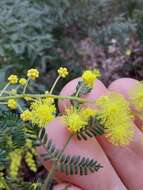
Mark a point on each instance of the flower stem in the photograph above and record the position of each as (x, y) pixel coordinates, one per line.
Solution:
(20, 108)
(3, 90)
(56, 81)
(25, 87)
(50, 176)
(19, 96)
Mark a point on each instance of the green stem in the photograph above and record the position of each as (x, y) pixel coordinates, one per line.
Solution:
(3, 103)
(54, 166)
(56, 81)
(6, 86)
(20, 108)
(25, 87)
(19, 96)
(78, 91)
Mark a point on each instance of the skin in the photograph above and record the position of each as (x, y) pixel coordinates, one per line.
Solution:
(123, 166)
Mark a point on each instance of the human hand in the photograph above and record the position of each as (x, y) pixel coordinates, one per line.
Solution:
(123, 166)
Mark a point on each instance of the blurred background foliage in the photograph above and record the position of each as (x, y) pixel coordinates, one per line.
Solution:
(77, 34)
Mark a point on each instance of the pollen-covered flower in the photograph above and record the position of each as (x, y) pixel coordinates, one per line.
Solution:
(12, 104)
(26, 115)
(90, 76)
(13, 79)
(74, 120)
(63, 72)
(136, 96)
(115, 115)
(22, 81)
(86, 113)
(15, 158)
(121, 135)
(33, 74)
(43, 110)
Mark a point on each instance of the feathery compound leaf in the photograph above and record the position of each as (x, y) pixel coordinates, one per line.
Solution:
(71, 165)
(93, 129)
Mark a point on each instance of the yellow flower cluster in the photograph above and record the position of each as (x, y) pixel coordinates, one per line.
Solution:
(13, 79)
(76, 119)
(136, 96)
(63, 72)
(12, 104)
(26, 115)
(43, 110)
(30, 161)
(115, 115)
(90, 76)
(33, 74)
(15, 157)
(22, 81)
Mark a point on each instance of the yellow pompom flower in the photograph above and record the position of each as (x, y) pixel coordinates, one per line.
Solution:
(43, 110)
(74, 120)
(90, 76)
(12, 104)
(13, 79)
(26, 115)
(115, 115)
(121, 135)
(15, 157)
(63, 72)
(22, 81)
(33, 74)
(136, 96)
(86, 113)
(30, 161)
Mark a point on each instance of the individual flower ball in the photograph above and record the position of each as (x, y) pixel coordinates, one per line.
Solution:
(22, 81)
(90, 76)
(63, 72)
(13, 79)
(12, 104)
(111, 107)
(26, 115)
(76, 119)
(43, 110)
(33, 74)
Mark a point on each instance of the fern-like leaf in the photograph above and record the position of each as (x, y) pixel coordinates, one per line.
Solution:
(71, 165)
(93, 129)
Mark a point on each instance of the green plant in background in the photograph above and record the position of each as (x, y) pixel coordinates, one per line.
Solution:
(47, 34)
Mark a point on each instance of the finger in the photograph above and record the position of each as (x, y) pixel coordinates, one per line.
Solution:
(128, 161)
(123, 157)
(70, 88)
(65, 186)
(125, 86)
(105, 178)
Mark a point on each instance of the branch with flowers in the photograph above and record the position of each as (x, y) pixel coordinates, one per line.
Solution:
(25, 115)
